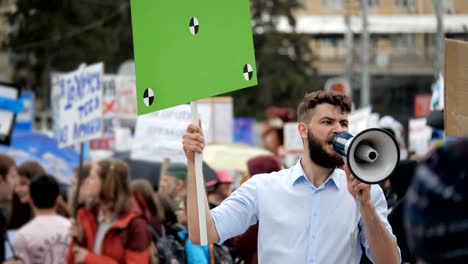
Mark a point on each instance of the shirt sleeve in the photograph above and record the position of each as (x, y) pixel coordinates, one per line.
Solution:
(20, 245)
(239, 211)
(380, 204)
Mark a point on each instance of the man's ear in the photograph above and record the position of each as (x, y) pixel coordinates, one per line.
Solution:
(180, 184)
(302, 128)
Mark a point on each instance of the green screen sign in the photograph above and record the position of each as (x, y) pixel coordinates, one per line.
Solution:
(188, 50)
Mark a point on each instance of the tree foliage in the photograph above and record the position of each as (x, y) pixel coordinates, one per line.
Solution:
(284, 61)
(59, 35)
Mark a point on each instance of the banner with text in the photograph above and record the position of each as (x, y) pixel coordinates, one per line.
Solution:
(107, 141)
(158, 135)
(80, 105)
(125, 101)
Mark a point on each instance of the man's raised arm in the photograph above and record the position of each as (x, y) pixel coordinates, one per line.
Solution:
(193, 142)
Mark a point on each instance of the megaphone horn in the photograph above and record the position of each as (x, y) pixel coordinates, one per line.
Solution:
(372, 155)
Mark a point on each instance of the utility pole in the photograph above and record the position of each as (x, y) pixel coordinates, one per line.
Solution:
(348, 41)
(365, 83)
(440, 39)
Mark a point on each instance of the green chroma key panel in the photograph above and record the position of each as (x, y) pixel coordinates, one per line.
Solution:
(186, 50)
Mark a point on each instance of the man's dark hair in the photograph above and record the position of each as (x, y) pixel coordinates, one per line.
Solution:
(311, 100)
(44, 190)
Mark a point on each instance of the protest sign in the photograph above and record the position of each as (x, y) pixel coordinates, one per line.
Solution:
(125, 100)
(292, 139)
(244, 130)
(80, 105)
(107, 141)
(9, 106)
(25, 119)
(185, 51)
(456, 92)
(188, 50)
(359, 120)
(293, 146)
(419, 136)
(158, 135)
(220, 110)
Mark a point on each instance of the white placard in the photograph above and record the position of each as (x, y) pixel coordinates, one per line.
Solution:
(292, 139)
(373, 120)
(158, 135)
(80, 105)
(419, 136)
(123, 139)
(220, 110)
(125, 101)
(359, 120)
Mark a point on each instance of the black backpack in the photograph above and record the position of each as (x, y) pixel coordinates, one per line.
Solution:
(219, 254)
(168, 248)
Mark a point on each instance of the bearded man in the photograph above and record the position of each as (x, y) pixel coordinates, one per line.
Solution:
(305, 213)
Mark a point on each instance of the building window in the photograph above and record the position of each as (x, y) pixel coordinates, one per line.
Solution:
(332, 4)
(448, 6)
(373, 3)
(408, 5)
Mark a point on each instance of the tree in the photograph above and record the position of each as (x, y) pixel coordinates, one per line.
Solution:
(59, 35)
(284, 61)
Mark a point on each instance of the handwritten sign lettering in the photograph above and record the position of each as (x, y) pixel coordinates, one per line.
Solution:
(80, 105)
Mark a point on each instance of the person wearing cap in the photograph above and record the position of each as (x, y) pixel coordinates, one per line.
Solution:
(172, 182)
(308, 213)
(219, 189)
(436, 206)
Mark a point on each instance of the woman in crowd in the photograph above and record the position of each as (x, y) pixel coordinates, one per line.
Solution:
(114, 230)
(85, 171)
(144, 188)
(21, 210)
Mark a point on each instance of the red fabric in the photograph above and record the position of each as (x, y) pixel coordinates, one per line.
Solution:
(113, 250)
(263, 164)
(246, 245)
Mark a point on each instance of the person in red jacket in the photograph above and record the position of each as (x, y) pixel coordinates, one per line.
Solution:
(114, 230)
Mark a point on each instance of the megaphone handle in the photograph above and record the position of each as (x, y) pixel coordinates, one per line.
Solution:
(355, 227)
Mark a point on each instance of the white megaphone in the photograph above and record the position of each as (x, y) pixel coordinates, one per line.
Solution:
(371, 155)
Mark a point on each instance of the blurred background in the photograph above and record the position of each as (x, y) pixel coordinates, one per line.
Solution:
(387, 54)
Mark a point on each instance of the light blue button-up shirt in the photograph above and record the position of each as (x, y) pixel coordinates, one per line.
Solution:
(298, 223)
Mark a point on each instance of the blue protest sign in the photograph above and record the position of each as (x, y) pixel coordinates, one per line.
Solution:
(9, 105)
(12, 105)
(243, 130)
(45, 150)
(25, 119)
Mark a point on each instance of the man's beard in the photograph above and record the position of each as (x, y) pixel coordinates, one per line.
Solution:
(320, 156)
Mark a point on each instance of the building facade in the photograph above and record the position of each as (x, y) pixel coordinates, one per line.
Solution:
(402, 47)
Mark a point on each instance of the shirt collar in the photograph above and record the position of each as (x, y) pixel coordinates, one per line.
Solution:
(298, 173)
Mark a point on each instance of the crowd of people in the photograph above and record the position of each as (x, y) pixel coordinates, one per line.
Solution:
(301, 214)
